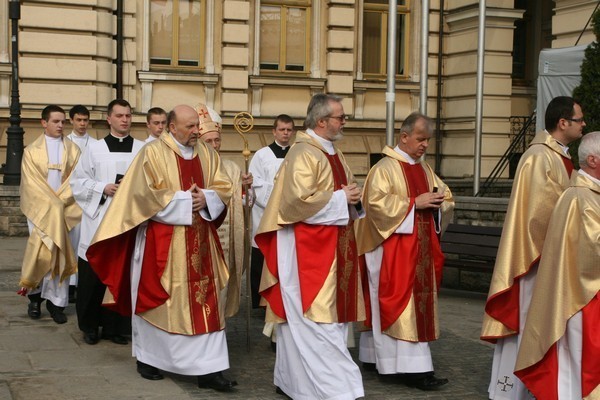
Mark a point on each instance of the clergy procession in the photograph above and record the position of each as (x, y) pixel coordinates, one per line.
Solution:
(159, 244)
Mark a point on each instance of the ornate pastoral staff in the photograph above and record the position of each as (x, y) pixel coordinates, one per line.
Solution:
(243, 123)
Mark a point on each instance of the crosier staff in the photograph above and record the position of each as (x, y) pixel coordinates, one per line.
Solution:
(243, 123)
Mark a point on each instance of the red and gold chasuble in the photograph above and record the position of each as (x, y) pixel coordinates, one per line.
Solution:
(201, 283)
(504, 306)
(336, 244)
(541, 378)
(412, 265)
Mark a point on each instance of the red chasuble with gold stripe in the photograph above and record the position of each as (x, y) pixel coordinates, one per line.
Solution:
(202, 292)
(412, 265)
(201, 284)
(319, 247)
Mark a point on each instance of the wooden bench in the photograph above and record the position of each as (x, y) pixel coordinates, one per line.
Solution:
(470, 248)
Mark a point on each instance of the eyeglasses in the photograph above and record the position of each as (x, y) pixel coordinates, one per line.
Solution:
(578, 120)
(340, 118)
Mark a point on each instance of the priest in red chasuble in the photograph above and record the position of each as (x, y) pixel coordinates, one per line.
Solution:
(406, 205)
(312, 281)
(161, 226)
(559, 356)
(542, 175)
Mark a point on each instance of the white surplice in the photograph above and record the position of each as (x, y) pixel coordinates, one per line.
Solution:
(96, 168)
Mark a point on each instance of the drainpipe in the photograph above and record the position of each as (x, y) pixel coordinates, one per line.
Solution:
(424, 56)
(120, 43)
(390, 94)
(479, 98)
(438, 119)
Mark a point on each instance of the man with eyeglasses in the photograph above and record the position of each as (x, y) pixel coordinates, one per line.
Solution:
(559, 353)
(542, 175)
(405, 204)
(312, 281)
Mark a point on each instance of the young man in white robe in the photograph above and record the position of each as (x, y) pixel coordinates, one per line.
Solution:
(51, 211)
(79, 116)
(156, 122)
(96, 180)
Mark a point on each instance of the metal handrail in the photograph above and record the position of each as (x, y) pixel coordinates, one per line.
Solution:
(505, 159)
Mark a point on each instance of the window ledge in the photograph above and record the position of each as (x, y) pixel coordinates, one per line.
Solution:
(401, 85)
(151, 76)
(5, 69)
(287, 81)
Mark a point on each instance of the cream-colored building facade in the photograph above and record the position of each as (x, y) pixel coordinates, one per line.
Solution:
(269, 57)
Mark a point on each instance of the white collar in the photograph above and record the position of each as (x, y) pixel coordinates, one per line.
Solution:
(53, 139)
(120, 138)
(410, 160)
(564, 148)
(596, 180)
(282, 147)
(327, 144)
(186, 151)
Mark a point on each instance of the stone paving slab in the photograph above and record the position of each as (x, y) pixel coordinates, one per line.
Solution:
(42, 360)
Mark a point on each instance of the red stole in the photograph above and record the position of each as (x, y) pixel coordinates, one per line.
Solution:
(201, 283)
(542, 378)
(412, 264)
(568, 165)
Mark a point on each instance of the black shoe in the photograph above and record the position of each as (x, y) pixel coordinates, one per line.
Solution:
(281, 392)
(429, 382)
(116, 339)
(72, 294)
(57, 313)
(148, 371)
(216, 381)
(91, 337)
(371, 367)
(33, 310)
(274, 347)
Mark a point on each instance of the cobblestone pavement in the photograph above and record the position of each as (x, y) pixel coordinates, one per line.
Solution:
(43, 360)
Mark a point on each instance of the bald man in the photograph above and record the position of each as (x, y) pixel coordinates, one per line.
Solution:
(175, 192)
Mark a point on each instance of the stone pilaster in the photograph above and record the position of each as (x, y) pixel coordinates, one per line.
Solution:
(235, 56)
(459, 91)
(340, 45)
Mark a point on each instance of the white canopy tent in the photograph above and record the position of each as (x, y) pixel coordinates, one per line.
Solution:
(559, 74)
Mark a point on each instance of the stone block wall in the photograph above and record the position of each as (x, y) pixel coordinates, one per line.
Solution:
(480, 211)
(12, 220)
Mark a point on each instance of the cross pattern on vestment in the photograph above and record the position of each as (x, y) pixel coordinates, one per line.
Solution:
(505, 384)
(203, 113)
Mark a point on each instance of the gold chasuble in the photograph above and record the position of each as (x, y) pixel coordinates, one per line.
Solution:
(183, 270)
(328, 264)
(53, 214)
(568, 281)
(411, 268)
(542, 175)
(233, 238)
